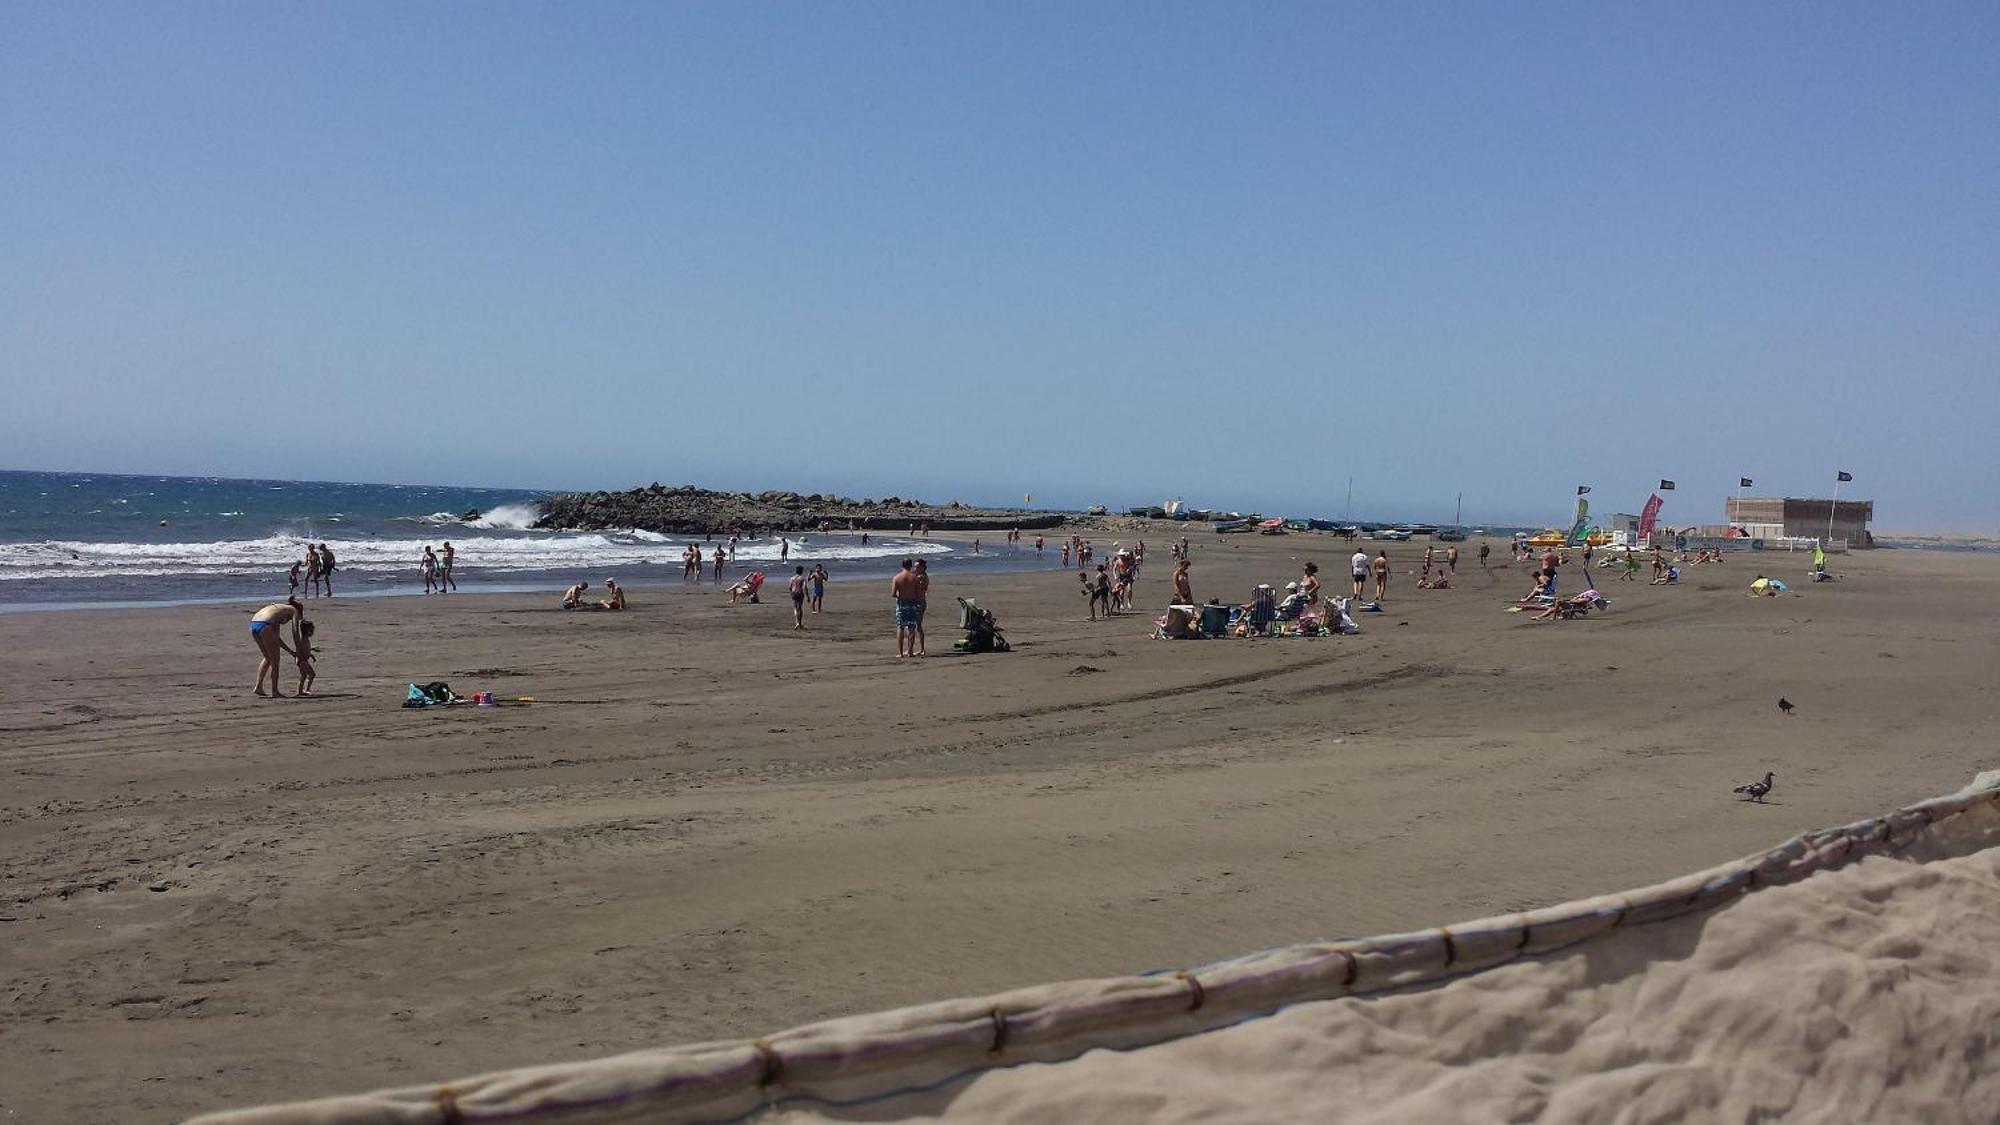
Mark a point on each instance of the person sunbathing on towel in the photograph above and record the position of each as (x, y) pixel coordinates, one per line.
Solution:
(1568, 607)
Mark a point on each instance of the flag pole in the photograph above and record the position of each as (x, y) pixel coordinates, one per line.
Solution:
(1831, 508)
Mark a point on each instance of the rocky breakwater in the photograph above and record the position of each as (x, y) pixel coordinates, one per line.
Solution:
(690, 510)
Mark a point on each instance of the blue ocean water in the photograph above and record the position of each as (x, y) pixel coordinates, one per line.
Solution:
(95, 538)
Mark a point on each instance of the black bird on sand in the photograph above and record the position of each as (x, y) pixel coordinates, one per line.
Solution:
(1757, 789)
(1784, 705)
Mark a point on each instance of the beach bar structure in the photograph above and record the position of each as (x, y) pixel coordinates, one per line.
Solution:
(1793, 517)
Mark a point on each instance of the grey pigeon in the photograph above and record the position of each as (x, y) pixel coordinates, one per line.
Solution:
(1757, 789)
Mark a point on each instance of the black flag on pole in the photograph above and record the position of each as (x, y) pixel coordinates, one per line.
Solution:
(1844, 477)
(1582, 488)
(1744, 482)
(1666, 486)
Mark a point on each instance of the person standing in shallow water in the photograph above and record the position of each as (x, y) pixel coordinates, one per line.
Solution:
(326, 567)
(446, 557)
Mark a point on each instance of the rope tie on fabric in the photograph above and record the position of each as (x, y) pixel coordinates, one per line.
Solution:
(999, 1031)
(1450, 947)
(774, 1064)
(446, 1100)
(1197, 996)
(1353, 968)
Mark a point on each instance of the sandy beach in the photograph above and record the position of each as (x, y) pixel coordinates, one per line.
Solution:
(707, 826)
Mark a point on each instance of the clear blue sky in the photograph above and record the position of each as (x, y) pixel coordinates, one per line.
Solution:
(1101, 252)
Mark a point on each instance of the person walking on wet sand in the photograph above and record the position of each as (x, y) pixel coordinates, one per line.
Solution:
(430, 567)
(718, 564)
(446, 557)
(312, 570)
(1484, 550)
(293, 574)
(1358, 566)
(905, 589)
(797, 588)
(1381, 573)
(326, 567)
(816, 586)
(267, 627)
(1451, 558)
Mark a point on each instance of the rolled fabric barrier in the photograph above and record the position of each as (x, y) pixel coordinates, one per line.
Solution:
(872, 1056)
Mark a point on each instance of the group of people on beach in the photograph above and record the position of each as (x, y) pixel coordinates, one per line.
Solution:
(808, 590)
(437, 568)
(315, 570)
(578, 596)
(691, 560)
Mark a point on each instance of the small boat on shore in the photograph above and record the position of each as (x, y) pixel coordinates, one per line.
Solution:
(1271, 527)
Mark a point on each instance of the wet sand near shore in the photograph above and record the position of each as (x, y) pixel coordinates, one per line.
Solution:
(709, 826)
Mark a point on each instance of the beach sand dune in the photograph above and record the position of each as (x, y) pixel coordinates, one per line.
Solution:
(708, 828)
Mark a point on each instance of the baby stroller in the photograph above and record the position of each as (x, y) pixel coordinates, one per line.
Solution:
(982, 630)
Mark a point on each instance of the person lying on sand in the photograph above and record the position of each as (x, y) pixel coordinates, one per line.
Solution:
(1568, 607)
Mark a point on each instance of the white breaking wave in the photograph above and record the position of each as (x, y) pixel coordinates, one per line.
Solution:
(508, 517)
(75, 559)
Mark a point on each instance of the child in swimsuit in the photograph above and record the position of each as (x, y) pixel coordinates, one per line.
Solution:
(305, 657)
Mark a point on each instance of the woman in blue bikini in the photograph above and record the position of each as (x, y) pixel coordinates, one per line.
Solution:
(266, 628)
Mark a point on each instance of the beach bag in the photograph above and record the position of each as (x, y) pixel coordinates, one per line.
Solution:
(429, 695)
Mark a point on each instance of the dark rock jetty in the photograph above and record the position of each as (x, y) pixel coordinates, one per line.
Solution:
(690, 510)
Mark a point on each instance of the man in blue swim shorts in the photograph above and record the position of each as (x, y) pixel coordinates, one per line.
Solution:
(907, 589)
